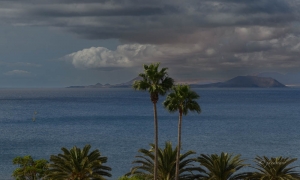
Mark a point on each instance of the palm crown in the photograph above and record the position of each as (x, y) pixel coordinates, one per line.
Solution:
(182, 99)
(223, 167)
(154, 81)
(77, 164)
(166, 164)
(274, 169)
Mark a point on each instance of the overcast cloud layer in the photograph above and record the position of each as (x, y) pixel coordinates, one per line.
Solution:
(213, 38)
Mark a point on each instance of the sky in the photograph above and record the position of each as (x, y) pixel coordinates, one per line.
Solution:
(59, 43)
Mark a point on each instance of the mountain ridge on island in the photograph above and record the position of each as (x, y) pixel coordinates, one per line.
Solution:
(236, 82)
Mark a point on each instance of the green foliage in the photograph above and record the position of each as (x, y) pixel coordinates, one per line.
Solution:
(274, 168)
(154, 81)
(136, 177)
(182, 99)
(166, 164)
(223, 167)
(77, 164)
(29, 169)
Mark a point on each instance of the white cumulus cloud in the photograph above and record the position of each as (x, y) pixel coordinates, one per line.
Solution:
(96, 57)
(128, 55)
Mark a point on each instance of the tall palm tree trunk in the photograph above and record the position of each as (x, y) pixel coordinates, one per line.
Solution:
(155, 141)
(178, 146)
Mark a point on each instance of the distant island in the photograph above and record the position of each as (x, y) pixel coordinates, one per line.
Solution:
(244, 82)
(237, 82)
(99, 85)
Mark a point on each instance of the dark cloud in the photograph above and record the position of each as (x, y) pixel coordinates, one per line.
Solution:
(235, 36)
(99, 12)
(267, 7)
(146, 21)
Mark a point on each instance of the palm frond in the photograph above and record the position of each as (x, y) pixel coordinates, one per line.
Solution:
(275, 167)
(222, 167)
(77, 163)
(182, 99)
(154, 80)
(166, 163)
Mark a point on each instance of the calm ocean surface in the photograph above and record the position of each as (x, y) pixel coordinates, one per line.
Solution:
(118, 122)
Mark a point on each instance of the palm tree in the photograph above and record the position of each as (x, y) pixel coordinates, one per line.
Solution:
(223, 167)
(77, 164)
(166, 164)
(156, 83)
(274, 169)
(183, 100)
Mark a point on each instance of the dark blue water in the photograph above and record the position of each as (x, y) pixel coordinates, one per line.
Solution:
(118, 122)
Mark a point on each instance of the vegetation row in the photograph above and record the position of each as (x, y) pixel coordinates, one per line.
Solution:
(81, 164)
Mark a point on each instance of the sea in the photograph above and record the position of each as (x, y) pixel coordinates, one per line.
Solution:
(119, 122)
